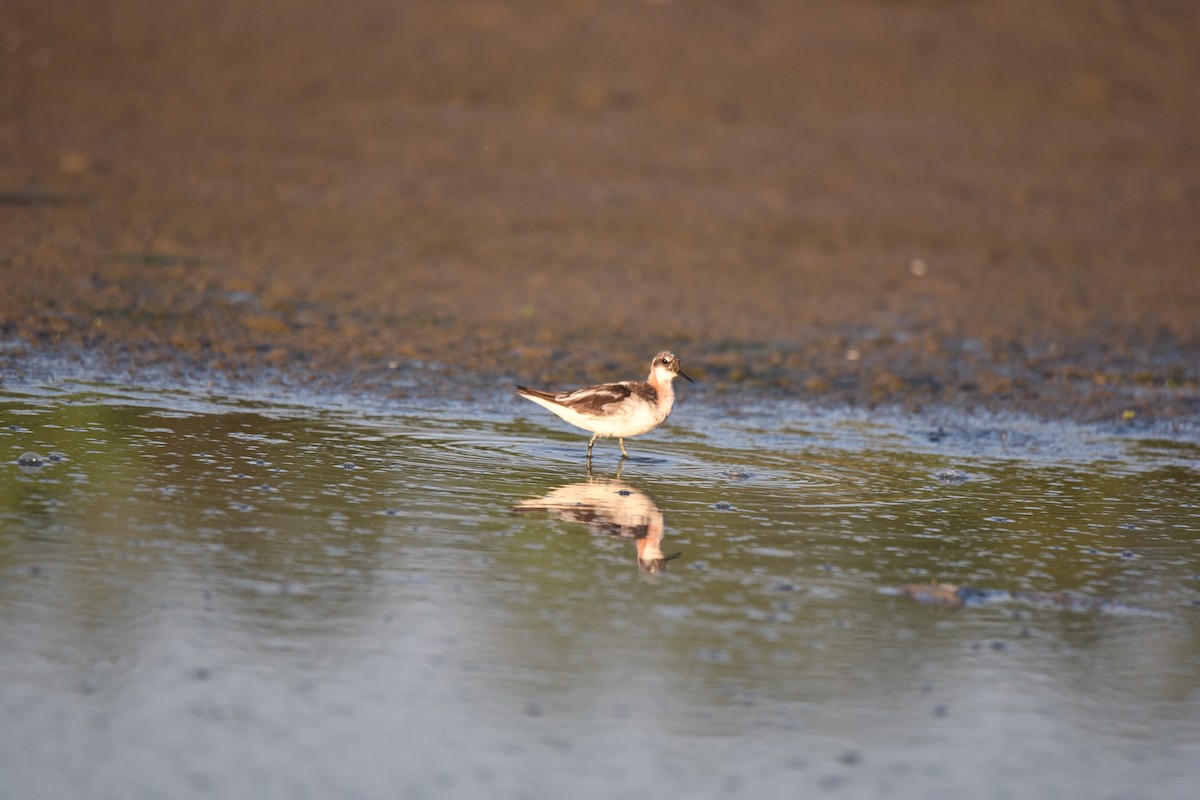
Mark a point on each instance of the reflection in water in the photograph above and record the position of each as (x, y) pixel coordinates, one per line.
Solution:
(610, 508)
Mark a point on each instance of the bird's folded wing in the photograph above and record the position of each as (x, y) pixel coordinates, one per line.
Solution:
(595, 399)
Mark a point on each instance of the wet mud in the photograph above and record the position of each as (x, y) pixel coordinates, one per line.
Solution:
(873, 203)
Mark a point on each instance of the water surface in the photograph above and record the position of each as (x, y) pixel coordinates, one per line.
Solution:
(243, 596)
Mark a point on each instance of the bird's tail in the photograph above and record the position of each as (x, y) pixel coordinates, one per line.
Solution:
(526, 392)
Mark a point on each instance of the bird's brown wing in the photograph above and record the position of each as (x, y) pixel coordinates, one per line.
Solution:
(595, 399)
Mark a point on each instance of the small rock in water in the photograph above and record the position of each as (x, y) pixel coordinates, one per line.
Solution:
(738, 474)
(722, 505)
(31, 460)
(951, 476)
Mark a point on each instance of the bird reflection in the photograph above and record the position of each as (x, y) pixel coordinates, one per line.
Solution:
(609, 508)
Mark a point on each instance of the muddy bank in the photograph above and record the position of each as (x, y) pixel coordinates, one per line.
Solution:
(864, 202)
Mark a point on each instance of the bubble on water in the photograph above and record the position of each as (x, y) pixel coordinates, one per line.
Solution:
(723, 505)
(951, 476)
(56, 457)
(31, 459)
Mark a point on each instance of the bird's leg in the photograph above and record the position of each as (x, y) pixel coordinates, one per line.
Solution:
(592, 442)
(621, 442)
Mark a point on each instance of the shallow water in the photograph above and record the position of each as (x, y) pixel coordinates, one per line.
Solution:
(233, 597)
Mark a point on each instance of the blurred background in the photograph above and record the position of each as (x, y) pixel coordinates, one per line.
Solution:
(864, 201)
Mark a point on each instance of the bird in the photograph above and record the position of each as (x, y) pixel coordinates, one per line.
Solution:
(624, 409)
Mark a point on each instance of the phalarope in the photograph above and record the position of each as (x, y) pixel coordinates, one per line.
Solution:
(628, 408)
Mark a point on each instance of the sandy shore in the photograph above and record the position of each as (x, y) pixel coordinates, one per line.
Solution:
(865, 202)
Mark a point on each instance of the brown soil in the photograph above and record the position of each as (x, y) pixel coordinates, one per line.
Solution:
(866, 201)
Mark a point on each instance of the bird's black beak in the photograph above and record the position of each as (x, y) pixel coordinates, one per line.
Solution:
(681, 374)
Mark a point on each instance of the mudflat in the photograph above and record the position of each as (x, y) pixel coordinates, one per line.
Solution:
(870, 202)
